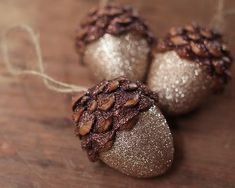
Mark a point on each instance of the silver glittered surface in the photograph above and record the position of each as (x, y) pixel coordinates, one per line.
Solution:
(111, 56)
(182, 85)
(145, 151)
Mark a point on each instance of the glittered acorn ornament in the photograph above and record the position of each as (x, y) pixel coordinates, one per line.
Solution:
(114, 41)
(189, 64)
(119, 123)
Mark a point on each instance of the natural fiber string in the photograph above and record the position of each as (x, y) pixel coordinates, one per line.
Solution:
(217, 21)
(50, 83)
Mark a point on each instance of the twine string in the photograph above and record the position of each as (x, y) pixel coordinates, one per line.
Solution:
(217, 21)
(49, 82)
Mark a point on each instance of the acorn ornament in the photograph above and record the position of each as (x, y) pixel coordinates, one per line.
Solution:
(189, 64)
(119, 123)
(114, 41)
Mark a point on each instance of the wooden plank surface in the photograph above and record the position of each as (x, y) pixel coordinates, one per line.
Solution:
(37, 146)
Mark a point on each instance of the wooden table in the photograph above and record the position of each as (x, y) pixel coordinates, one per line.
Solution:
(37, 146)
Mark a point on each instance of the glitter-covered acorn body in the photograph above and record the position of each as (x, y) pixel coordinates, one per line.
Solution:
(119, 122)
(189, 64)
(114, 41)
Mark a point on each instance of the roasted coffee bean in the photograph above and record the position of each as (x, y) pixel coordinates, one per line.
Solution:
(112, 86)
(106, 102)
(85, 126)
(77, 114)
(93, 105)
(104, 125)
(178, 40)
(132, 101)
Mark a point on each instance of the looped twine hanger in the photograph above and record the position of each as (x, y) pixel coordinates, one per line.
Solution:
(218, 20)
(49, 82)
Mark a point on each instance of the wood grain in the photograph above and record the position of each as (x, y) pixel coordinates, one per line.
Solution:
(37, 144)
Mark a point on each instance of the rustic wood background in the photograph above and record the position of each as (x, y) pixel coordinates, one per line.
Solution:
(37, 146)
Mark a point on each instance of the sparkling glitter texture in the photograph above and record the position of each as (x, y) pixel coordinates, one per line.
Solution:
(182, 85)
(145, 151)
(111, 56)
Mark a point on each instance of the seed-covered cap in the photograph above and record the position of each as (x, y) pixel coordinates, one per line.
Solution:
(109, 107)
(114, 20)
(202, 45)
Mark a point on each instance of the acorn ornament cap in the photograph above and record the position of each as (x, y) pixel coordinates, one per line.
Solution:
(189, 64)
(119, 122)
(114, 41)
